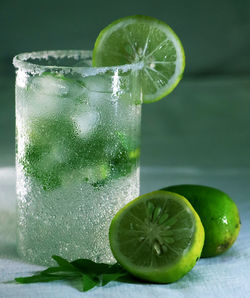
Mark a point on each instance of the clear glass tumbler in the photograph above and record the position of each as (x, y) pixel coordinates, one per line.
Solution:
(77, 153)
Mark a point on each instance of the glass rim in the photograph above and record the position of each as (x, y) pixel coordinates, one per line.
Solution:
(20, 61)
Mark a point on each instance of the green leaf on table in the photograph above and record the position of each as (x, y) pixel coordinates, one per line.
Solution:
(88, 282)
(106, 278)
(64, 263)
(37, 278)
(54, 271)
(91, 274)
(89, 267)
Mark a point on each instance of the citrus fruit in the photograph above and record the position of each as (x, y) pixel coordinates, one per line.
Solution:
(157, 237)
(140, 38)
(218, 213)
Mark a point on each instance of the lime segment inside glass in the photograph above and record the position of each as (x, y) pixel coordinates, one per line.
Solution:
(157, 237)
(141, 38)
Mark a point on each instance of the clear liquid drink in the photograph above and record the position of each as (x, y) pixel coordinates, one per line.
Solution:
(77, 153)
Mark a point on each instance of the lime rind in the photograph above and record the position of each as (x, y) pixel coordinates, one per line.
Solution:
(218, 213)
(169, 272)
(102, 56)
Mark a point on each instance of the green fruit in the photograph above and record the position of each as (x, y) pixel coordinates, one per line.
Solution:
(143, 39)
(157, 237)
(218, 213)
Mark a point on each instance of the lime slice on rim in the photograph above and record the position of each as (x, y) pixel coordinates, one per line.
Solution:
(157, 237)
(141, 38)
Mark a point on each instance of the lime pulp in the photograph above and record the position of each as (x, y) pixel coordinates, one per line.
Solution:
(157, 237)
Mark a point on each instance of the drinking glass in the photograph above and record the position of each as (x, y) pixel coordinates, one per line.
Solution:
(77, 153)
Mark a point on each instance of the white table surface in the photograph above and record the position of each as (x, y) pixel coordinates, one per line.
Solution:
(227, 275)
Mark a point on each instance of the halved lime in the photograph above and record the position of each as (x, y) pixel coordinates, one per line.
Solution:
(157, 237)
(141, 38)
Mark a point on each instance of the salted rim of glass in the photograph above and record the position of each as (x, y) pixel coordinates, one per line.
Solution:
(20, 61)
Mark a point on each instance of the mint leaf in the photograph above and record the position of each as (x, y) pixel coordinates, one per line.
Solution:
(89, 267)
(60, 272)
(66, 265)
(37, 278)
(91, 274)
(106, 278)
(88, 282)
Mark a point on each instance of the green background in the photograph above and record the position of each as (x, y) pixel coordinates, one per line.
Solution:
(205, 122)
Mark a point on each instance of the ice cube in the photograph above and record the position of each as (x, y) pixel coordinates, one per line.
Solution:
(86, 122)
(53, 94)
(58, 85)
(49, 85)
(98, 83)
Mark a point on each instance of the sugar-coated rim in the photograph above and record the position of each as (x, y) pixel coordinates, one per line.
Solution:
(20, 61)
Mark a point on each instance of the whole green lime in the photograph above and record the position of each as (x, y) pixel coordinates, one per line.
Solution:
(218, 213)
(157, 237)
